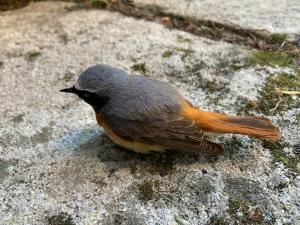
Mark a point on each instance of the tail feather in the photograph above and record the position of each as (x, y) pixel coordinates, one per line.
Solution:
(221, 123)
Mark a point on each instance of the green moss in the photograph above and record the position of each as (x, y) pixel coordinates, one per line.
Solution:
(133, 168)
(41, 137)
(60, 219)
(238, 205)
(217, 221)
(232, 146)
(271, 100)
(245, 106)
(68, 76)
(193, 73)
(234, 143)
(100, 4)
(178, 220)
(161, 164)
(281, 186)
(148, 8)
(18, 118)
(184, 52)
(210, 86)
(168, 54)
(168, 198)
(141, 67)
(268, 58)
(33, 55)
(297, 118)
(182, 39)
(146, 191)
(278, 38)
(269, 144)
(276, 148)
(243, 214)
(13, 4)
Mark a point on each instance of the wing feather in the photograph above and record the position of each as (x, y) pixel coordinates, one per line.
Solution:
(178, 134)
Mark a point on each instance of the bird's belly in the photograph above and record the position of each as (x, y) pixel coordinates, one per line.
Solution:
(135, 146)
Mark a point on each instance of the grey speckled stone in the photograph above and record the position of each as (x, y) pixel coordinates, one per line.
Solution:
(275, 16)
(55, 160)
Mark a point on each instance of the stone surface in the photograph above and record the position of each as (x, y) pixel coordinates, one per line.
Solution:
(275, 16)
(57, 164)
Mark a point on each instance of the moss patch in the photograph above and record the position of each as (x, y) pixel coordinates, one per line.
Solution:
(268, 58)
(133, 168)
(238, 205)
(178, 220)
(217, 221)
(232, 146)
(281, 186)
(278, 38)
(100, 4)
(161, 164)
(68, 76)
(33, 55)
(183, 52)
(182, 39)
(4, 164)
(18, 118)
(13, 4)
(60, 219)
(297, 118)
(242, 214)
(215, 89)
(146, 191)
(41, 137)
(210, 86)
(233, 143)
(279, 155)
(140, 67)
(271, 100)
(168, 54)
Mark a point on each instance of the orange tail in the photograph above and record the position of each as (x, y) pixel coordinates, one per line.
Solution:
(221, 123)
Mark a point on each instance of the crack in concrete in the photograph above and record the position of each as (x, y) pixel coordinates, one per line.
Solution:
(232, 33)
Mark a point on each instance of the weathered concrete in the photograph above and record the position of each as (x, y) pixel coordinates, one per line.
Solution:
(275, 16)
(56, 162)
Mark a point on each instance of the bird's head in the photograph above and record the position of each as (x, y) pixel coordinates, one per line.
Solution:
(94, 85)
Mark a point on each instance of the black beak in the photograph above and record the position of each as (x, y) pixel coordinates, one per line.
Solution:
(69, 90)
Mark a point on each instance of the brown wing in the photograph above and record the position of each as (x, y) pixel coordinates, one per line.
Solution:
(178, 133)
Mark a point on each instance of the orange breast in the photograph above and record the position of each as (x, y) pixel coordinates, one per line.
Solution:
(135, 146)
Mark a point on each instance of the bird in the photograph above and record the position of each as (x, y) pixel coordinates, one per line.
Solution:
(147, 115)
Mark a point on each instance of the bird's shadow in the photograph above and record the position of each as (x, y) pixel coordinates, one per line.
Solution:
(116, 158)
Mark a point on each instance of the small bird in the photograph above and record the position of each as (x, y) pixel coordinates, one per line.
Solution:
(144, 114)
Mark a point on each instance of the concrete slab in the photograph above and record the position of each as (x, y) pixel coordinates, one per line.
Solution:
(58, 166)
(274, 16)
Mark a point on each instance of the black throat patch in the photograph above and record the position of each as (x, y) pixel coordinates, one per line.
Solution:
(93, 99)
